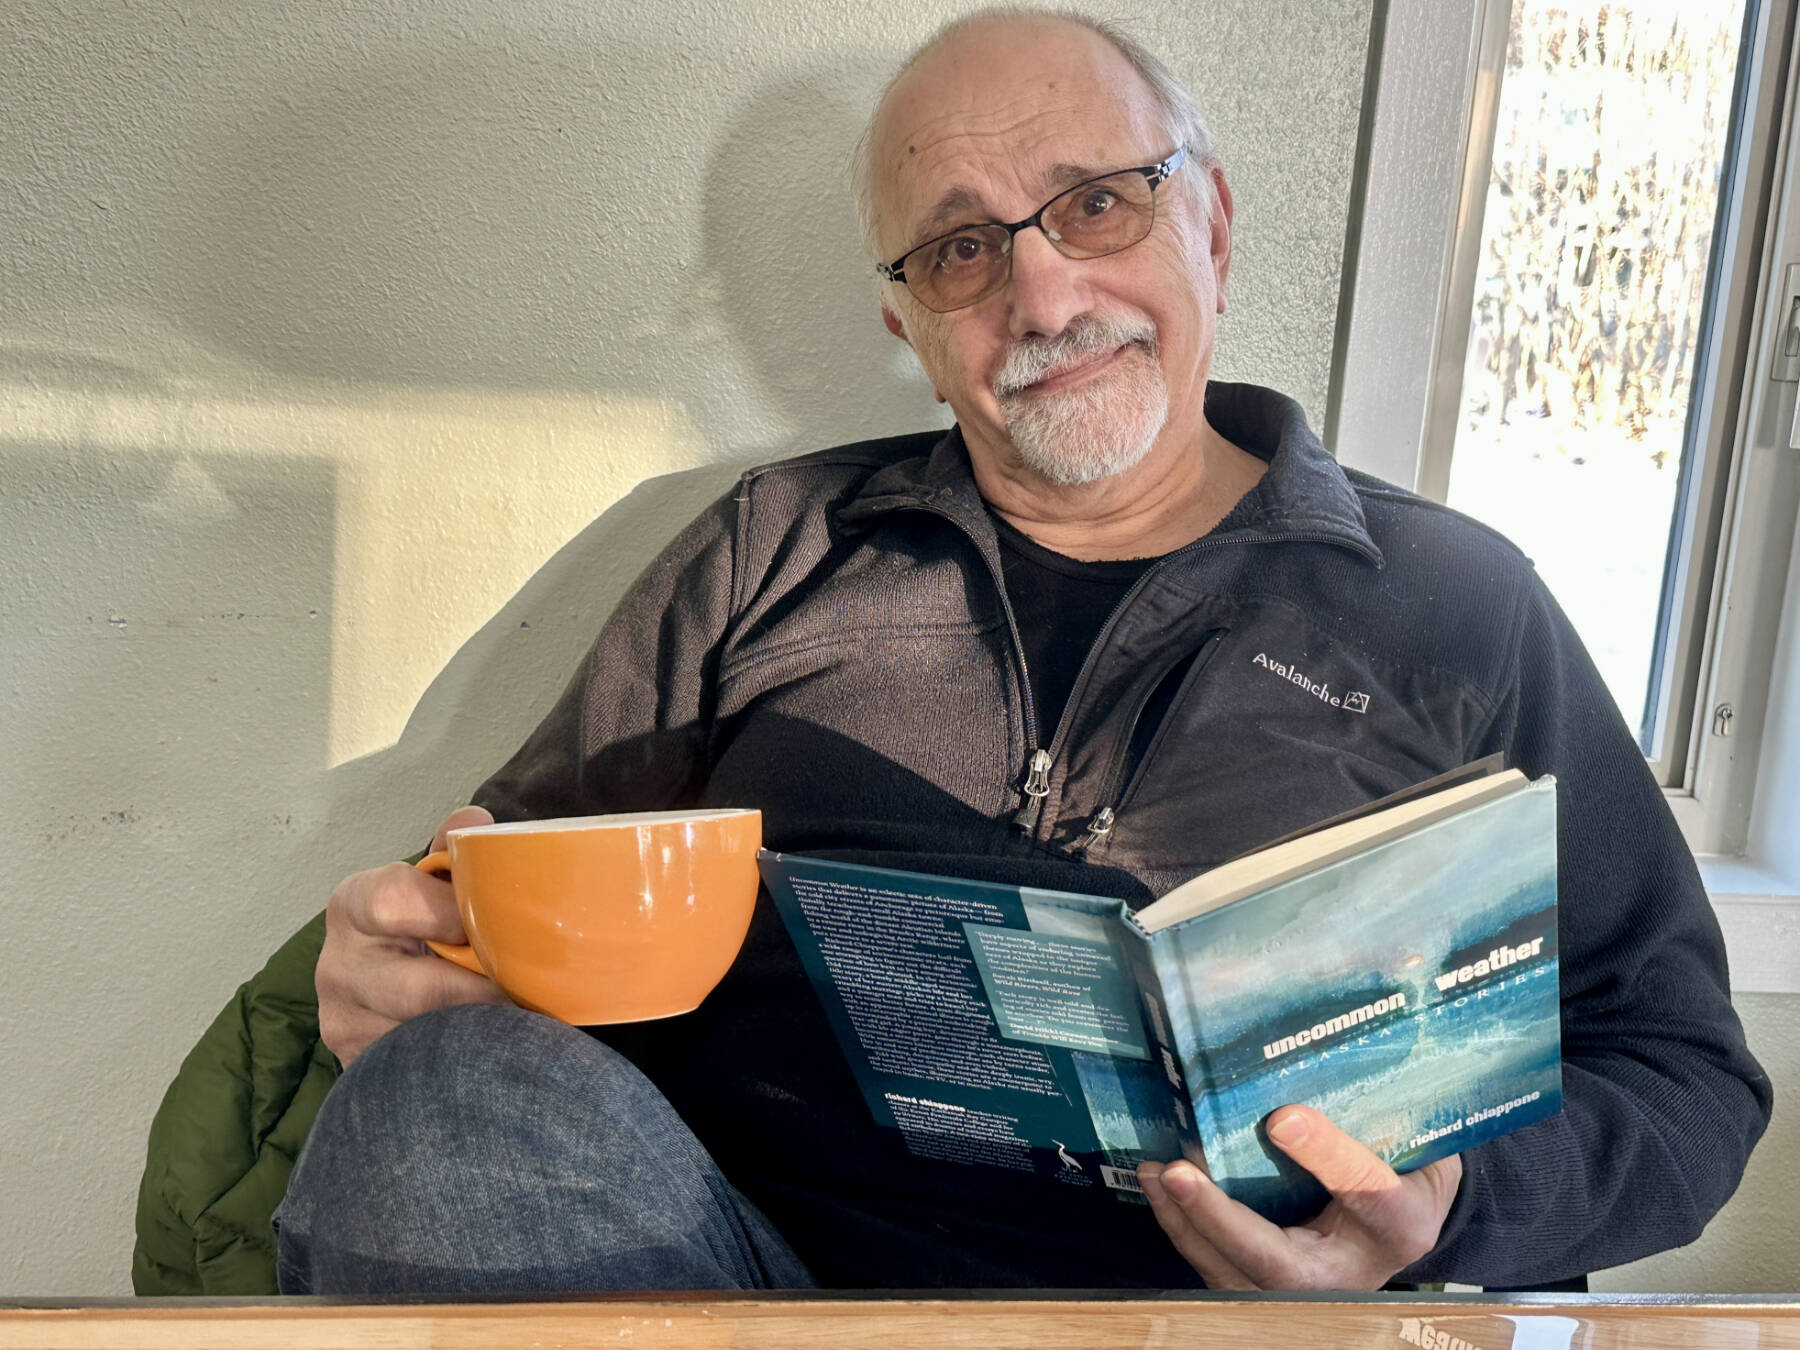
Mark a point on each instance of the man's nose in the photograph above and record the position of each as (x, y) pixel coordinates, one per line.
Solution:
(1047, 289)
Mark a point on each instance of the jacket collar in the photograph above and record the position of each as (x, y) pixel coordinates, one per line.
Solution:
(1304, 494)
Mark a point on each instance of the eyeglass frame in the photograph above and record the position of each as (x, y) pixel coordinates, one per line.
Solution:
(1154, 174)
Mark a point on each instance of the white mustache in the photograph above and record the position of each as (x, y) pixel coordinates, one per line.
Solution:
(1037, 358)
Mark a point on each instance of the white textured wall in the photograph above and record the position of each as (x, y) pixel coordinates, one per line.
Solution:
(323, 327)
(1753, 1246)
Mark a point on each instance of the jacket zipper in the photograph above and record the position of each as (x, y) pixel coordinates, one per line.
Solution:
(1101, 823)
(1098, 827)
(1036, 785)
(1118, 791)
(1027, 819)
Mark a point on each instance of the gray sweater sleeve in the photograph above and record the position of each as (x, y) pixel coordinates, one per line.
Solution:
(1662, 1098)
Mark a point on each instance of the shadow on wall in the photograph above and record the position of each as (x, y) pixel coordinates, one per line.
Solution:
(165, 653)
(782, 239)
(505, 677)
(550, 215)
(167, 645)
(372, 231)
(460, 218)
(351, 280)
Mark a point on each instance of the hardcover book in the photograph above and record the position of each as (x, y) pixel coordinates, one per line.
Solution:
(1396, 969)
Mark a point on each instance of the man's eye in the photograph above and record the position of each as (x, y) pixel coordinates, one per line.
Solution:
(1097, 201)
(959, 251)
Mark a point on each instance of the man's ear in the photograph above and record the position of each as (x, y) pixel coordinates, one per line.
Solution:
(1220, 225)
(894, 324)
(898, 329)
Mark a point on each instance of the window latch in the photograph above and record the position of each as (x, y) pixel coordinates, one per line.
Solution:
(1786, 365)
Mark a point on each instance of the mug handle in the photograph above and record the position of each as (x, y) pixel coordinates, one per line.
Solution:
(463, 954)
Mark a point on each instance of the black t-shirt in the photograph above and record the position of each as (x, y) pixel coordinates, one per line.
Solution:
(1060, 604)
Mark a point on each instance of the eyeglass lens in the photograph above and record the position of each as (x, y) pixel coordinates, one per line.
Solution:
(1087, 221)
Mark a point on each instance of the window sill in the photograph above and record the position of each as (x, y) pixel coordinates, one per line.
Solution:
(1759, 910)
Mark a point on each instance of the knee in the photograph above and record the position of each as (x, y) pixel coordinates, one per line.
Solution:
(472, 1040)
(443, 1082)
(453, 1110)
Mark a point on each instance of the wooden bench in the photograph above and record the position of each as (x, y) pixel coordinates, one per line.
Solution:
(827, 1322)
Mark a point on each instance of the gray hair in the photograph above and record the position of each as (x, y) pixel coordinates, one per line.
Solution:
(1180, 110)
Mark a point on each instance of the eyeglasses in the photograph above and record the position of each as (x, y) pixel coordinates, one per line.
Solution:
(1103, 215)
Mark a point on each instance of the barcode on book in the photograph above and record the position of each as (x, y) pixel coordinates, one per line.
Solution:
(1120, 1180)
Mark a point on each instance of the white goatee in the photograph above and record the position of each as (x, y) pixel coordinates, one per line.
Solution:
(1101, 427)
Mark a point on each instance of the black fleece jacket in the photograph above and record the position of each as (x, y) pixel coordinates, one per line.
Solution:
(832, 643)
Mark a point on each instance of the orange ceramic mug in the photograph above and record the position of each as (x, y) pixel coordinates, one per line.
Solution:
(596, 919)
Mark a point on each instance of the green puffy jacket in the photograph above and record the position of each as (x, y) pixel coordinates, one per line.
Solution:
(228, 1131)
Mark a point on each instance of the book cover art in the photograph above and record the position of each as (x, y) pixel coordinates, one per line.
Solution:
(1409, 992)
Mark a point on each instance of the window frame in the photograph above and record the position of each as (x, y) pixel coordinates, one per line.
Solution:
(1424, 149)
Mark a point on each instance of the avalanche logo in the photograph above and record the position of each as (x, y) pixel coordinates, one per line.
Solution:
(1355, 701)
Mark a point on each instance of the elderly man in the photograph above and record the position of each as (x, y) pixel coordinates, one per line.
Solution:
(1025, 650)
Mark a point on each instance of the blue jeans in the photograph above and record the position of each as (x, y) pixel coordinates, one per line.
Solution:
(490, 1150)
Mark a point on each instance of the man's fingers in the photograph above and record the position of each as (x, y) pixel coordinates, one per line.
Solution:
(1262, 1254)
(460, 819)
(1169, 1196)
(381, 988)
(414, 986)
(1377, 1218)
(374, 970)
(401, 902)
(1433, 1187)
(1344, 1166)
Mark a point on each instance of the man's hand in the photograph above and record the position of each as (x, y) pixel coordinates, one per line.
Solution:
(1376, 1224)
(375, 970)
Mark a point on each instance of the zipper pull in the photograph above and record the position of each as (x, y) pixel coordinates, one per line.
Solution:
(1037, 787)
(1098, 828)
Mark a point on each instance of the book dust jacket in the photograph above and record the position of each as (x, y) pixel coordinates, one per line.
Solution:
(1410, 992)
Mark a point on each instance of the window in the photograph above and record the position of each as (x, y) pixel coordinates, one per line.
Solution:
(1597, 257)
(1566, 295)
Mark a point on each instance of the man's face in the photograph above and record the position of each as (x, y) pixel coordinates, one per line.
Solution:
(1076, 369)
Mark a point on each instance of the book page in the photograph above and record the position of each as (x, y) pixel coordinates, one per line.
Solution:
(1270, 867)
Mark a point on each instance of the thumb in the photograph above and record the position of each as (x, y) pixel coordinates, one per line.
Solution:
(460, 819)
(1343, 1165)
